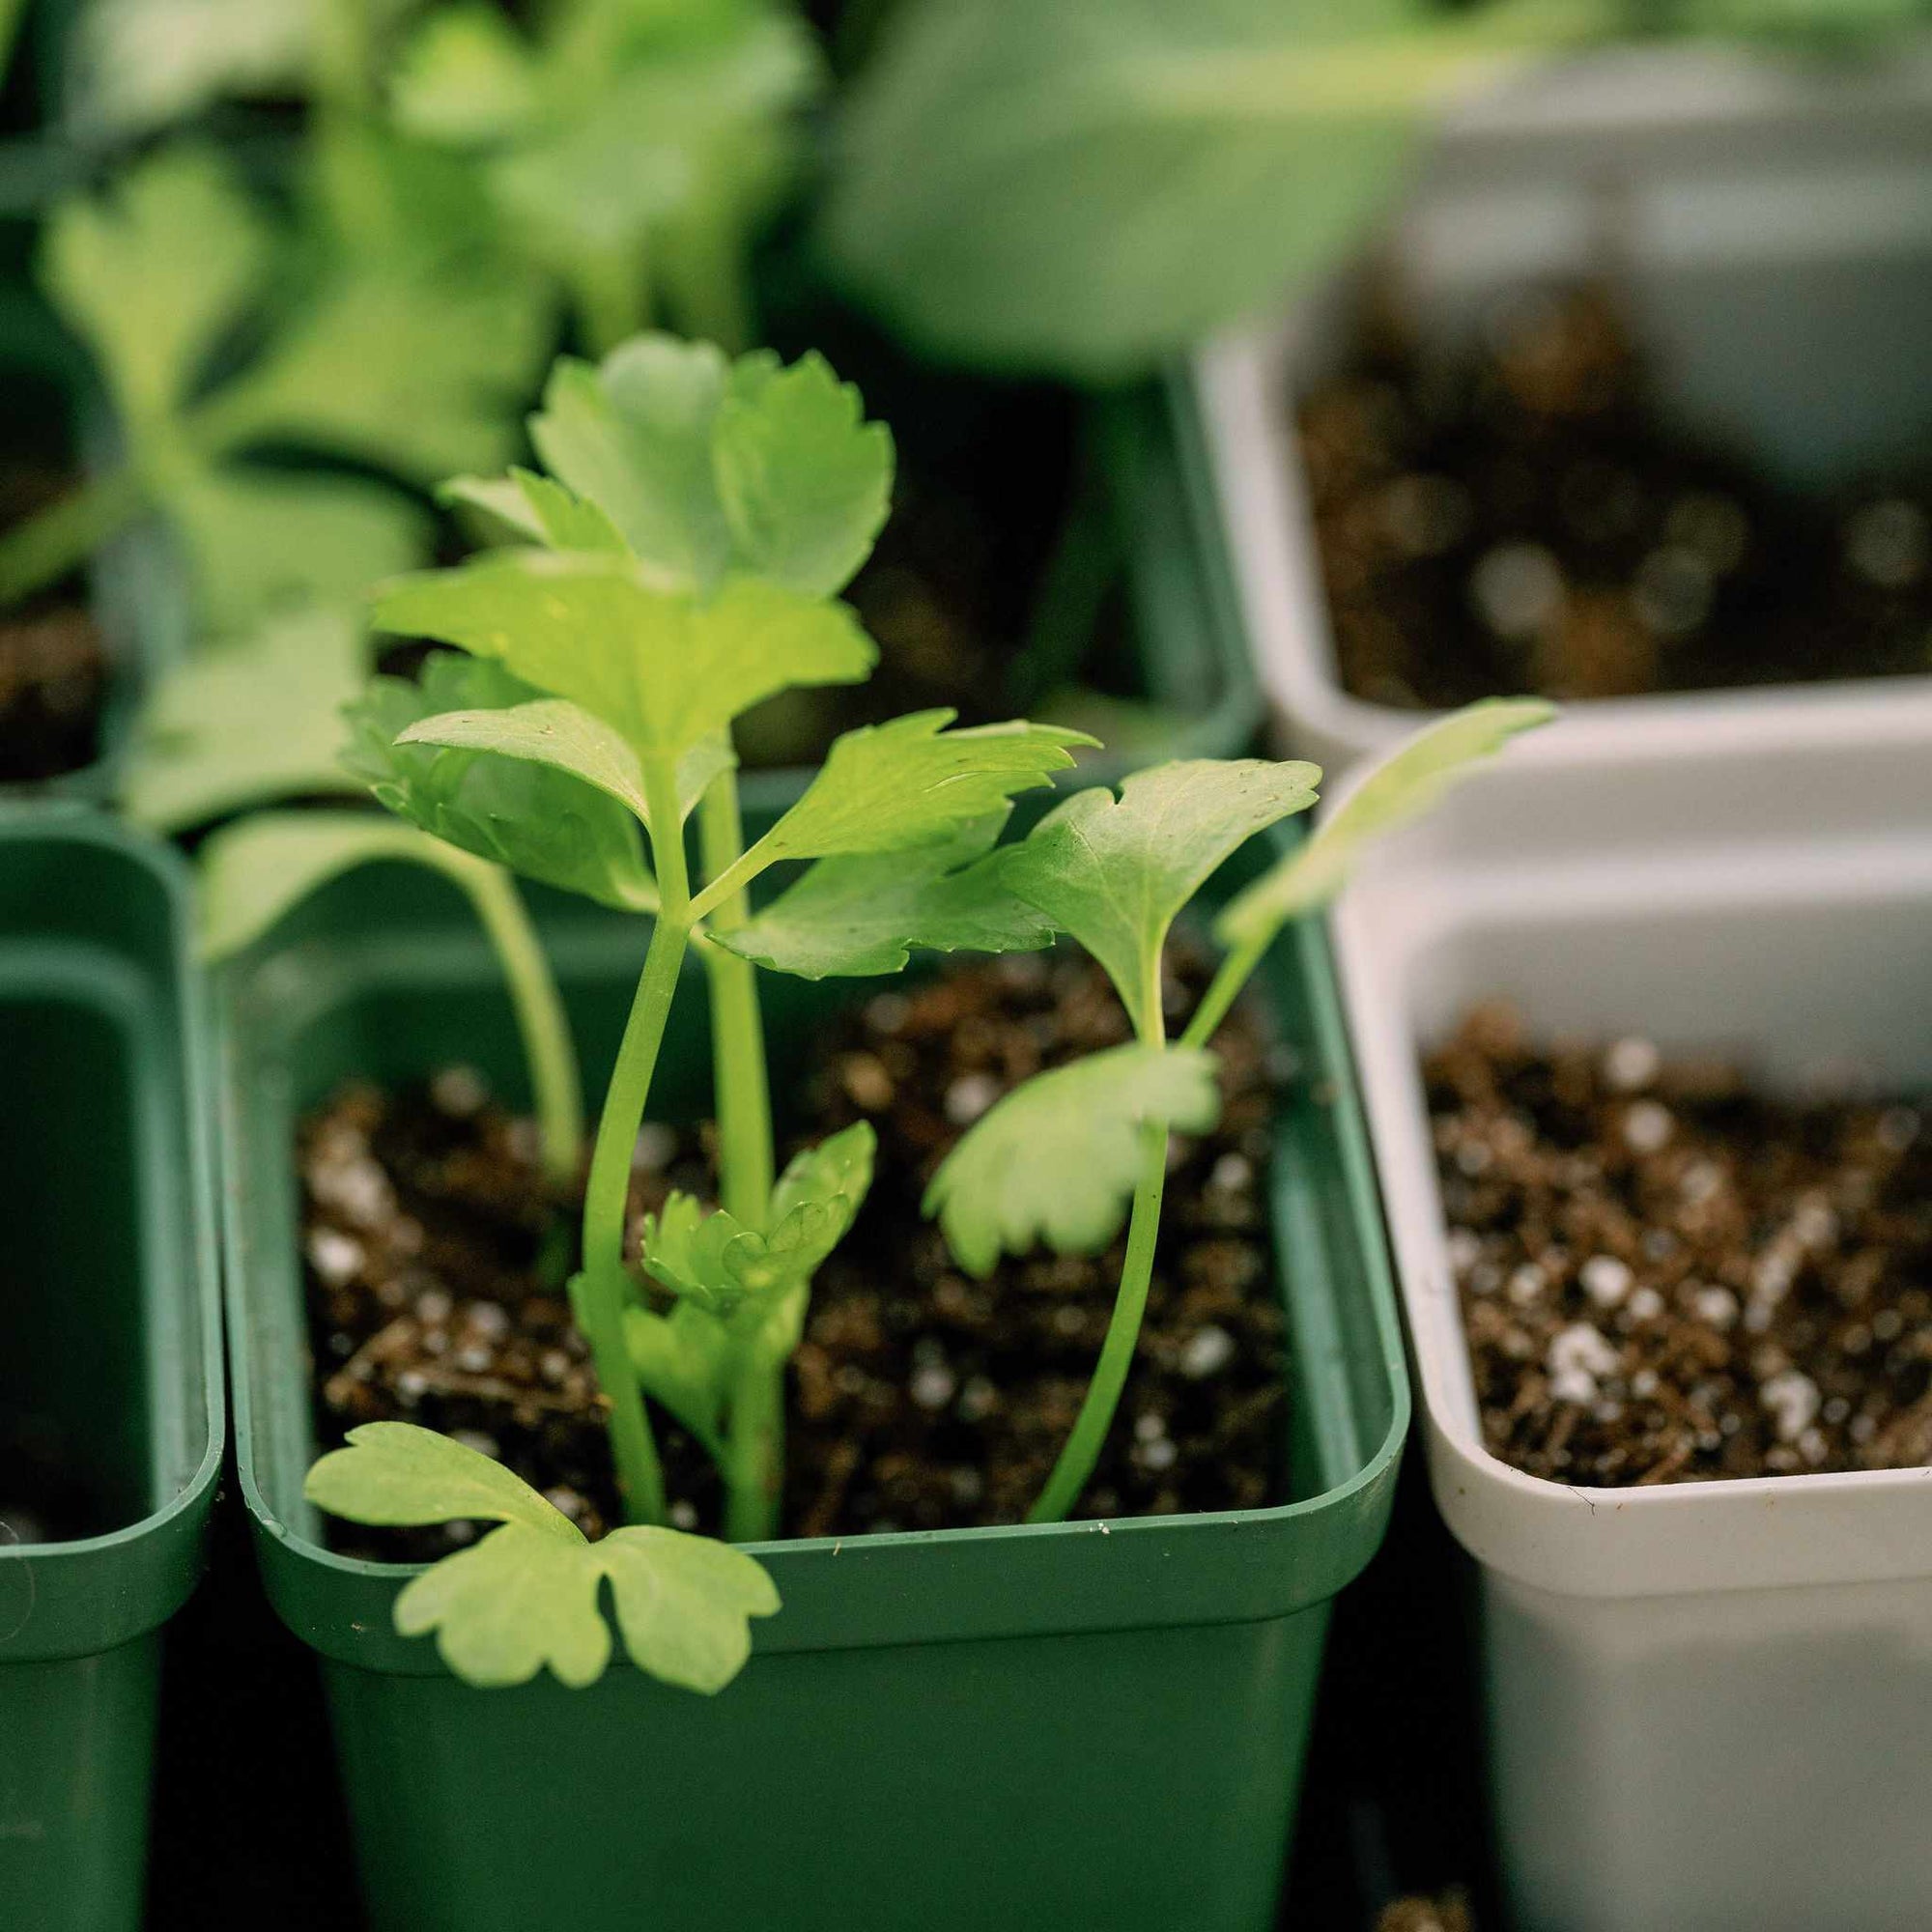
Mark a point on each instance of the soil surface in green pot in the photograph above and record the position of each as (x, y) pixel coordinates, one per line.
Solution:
(1671, 1273)
(1529, 515)
(54, 663)
(919, 1399)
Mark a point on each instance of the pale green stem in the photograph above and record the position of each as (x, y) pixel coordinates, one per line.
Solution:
(605, 1284)
(1083, 1448)
(1225, 989)
(753, 1466)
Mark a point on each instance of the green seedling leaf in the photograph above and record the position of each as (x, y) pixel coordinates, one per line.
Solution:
(886, 787)
(538, 510)
(805, 481)
(257, 870)
(261, 539)
(539, 818)
(1057, 1160)
(710, 468)
(714, 1262)
(1403, 787)
(526, 1595)
(1091, 185)
(665, 671)
(241, 724)
(153, 272)
(854, 917)
(684, 1360)
(396, 1474)
(1114, 873)
(546, 732)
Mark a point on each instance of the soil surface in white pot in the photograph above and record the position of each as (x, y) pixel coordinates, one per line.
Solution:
(1668, 1273)
(920, 1399)
(1528, 516)
(53, 666)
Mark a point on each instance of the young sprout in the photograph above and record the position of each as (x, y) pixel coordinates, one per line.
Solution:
(1061, 1158)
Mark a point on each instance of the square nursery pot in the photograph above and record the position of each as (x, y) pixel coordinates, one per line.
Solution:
(1160, 533)
(1768, 225)
(1076, 1724)
(134, 584)
(110, 1376)
(1705, 1700)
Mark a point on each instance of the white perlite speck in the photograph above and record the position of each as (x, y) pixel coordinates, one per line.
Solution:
(333, 1255)
(1647, 1126)
(968, 1096)
(1630, 1064)
(1606, 1280)
(1207, 1351)
(1717, 1306)
(1645, 1306)
(1578, 1355)
(1793, 1400)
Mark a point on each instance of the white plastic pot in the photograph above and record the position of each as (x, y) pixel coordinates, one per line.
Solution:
(1707, 1703)
(1770, 222)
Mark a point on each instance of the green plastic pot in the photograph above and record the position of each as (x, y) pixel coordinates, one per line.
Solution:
(109, 1344)
(1076, 1724)
(1161, 532)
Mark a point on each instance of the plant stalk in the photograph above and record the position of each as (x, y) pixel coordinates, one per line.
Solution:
(753, 1466)
(1070, 1473)
(604, 1285)
(1225, 989)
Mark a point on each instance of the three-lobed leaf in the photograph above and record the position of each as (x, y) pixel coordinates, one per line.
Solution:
(1115, 871)
(545, 821)
(662, 669)
(526, 1595)
(1400, 789)
(155, 271)
(240, 724)
(858, 916)
(1057, 1160)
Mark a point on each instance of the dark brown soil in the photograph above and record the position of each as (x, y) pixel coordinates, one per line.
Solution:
(919, 1399)
(1530, 518)
(53, 666)
(1449, 1913)
(1669, 1275)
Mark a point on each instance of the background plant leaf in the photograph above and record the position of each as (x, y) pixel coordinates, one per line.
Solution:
(255, 872)
(1114, 873)
(143, 65)
(1402, 787)
(153, 272)
(854, 917)
(1089, 185)
(542, 822)
(239, 725)
(1057, 1160)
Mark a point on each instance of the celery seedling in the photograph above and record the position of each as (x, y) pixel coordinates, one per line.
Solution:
(681, 562)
